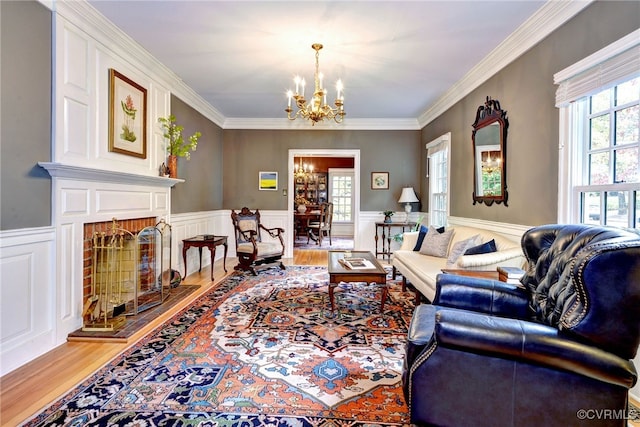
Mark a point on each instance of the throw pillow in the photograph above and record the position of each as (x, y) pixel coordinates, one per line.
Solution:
(459, 248)
(483, 248)
(421, 234)
(436, 244)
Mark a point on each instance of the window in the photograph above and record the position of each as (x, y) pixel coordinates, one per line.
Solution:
(599, 100)
(610, 163)
(341, 194)
(438, 174)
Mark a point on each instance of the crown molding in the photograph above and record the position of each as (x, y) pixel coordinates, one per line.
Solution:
(281, 123)
(112, 39)
(547, 19)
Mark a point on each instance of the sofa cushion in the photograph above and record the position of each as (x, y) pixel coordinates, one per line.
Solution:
(422, 233)
(436, 244)
(484, 248)
(459, 248)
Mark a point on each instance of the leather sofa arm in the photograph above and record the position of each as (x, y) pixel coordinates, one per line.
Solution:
(529, 342)
(482, 295)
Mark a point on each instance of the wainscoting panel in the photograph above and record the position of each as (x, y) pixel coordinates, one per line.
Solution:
(510, 231)
(130, 200)
(184, 226)
(27, 289)
(74, 201)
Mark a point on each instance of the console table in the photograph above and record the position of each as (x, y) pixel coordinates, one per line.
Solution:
(385, 235)
(208, 240)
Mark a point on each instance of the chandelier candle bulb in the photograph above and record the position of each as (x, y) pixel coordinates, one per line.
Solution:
(317, 108)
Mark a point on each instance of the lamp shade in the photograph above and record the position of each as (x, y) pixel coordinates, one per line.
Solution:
(408, 196)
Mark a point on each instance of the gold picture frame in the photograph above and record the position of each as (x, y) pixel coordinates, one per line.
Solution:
(379, 180)
(127, 116)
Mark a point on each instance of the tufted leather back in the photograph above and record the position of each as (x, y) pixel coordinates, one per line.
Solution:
(585, 280)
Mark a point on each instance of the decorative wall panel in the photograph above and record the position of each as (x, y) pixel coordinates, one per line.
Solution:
(26, 295)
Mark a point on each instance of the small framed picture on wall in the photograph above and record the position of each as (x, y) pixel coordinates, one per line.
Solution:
(127, 116)
(268, 181)
(379, 180)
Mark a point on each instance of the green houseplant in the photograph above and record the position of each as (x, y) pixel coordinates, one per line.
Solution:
(387, 216)
(177, 146)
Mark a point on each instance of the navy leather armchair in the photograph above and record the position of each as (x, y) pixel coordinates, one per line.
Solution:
(553, 352)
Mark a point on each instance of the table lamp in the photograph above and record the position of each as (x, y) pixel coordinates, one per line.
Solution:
(408, 196)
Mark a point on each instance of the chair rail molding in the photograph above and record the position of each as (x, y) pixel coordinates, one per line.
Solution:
(512, 231)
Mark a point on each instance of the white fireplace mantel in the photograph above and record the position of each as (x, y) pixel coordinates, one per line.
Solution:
(61, 170)
(82, 195)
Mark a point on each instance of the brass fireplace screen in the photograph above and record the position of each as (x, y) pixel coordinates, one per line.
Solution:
(131, 272)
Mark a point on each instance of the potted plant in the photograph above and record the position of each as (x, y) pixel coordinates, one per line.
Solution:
(387, 216)
(177, 146)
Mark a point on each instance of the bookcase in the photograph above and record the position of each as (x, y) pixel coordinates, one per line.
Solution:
(313, 189)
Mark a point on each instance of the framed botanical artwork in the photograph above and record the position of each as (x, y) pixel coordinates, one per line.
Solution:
(379, 180)
(127, 116)
(268, 181)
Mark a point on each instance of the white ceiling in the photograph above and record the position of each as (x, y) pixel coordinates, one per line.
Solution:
(396, 58)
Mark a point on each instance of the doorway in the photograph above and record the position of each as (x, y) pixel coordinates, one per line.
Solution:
(310, 153)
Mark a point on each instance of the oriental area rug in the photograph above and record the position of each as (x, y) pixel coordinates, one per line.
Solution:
(257, 351)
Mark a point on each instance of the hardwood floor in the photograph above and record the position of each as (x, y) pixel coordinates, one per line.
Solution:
(31, 387)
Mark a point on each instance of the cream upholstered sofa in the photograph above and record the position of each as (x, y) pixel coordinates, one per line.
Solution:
(421, 270)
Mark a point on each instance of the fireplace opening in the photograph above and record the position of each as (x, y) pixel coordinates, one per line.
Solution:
(127, 269)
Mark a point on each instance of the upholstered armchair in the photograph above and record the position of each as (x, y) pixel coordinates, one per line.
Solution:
(251, 249)
(555, 351)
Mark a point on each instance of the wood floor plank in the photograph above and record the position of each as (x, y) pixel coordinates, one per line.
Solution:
(33, 386)
(26, 390)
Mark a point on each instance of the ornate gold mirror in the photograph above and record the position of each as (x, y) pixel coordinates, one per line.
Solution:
(489, 139)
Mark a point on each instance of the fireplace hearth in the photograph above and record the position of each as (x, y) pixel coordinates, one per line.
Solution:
(127, 267)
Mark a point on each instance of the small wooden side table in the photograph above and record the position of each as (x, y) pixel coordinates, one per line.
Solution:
(386, 236)
(209, 241)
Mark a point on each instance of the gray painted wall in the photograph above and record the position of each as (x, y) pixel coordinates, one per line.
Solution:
(202, 189)
(526, 91)
(246, 152)
(25, 119)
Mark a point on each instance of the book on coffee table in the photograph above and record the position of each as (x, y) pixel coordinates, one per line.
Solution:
(510, 274)
(356, 263)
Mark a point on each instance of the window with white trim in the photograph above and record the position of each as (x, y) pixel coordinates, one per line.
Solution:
(341, 194)
(438, 174)
(599, 101)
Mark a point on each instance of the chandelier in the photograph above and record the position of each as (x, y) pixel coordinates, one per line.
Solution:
(317, 109)
(303, 170)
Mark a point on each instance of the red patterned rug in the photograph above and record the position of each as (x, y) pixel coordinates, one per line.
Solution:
(258, 351)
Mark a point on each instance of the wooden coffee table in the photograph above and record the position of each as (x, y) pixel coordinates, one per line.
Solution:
(484, 274)
(340, 273)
